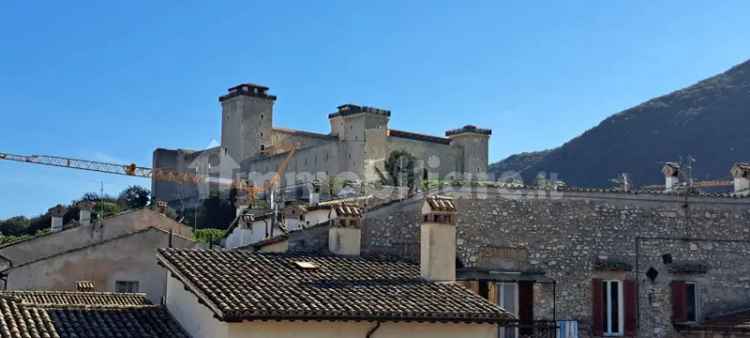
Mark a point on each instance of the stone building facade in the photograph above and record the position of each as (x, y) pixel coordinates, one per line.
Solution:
(356, 147)
(675, 262)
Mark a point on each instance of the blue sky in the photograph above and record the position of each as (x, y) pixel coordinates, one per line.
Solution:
(114, 80)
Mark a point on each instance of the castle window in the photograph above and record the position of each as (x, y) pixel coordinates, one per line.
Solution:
(261, 116)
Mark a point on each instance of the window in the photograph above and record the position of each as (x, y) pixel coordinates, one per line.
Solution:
(507, 298)
(126, 286)
(613, 308)
(685, 302)
(692, 302)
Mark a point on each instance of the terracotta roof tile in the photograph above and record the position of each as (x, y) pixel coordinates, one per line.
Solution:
(50, 314)
(347, 210)
(440, 203)
(78, 299)
(240, 285)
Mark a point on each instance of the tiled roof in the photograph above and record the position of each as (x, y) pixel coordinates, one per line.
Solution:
(240, 285)
(78, 299)
(151, 321)
(439, 203)
(347, 210)
(737, 320)
(17, 321)
(41, 314)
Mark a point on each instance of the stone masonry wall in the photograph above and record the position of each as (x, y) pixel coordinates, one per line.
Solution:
(564, 234)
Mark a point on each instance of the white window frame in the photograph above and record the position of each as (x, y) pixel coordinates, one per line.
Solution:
(500, 301)
(608, 329)
(696, 301)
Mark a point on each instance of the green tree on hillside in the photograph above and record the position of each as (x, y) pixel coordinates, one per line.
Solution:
(134, 197)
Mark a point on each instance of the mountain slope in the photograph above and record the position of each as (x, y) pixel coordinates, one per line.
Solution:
(709, 121)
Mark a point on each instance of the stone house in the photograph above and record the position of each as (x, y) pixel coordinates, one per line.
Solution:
(240, 293)
(116, 255)
(598, 262)
(61, 314)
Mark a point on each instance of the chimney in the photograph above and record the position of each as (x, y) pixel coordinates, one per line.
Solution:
(84, 213)
(162, 206)
(85, 286)
(345, 234)
(437, 260)
(671, 171)
(741, 174)
(315, 193)
(57, 218)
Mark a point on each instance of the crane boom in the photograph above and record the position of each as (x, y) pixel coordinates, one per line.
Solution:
(159, 174)
(74, 163)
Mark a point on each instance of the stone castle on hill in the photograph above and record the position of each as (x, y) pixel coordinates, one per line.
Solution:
(355, 149)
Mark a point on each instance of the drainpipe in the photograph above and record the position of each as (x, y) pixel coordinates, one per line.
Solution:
(372, 330)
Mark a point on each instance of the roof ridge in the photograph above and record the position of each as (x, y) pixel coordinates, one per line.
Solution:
(91, 245)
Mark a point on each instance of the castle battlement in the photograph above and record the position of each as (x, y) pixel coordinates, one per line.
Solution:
(351, 109)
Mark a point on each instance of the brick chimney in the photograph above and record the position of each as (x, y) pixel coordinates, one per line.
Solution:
(345, 234)
(57, 218)
(741, 174)
(437, 243)
(671, 171)
(84, 213)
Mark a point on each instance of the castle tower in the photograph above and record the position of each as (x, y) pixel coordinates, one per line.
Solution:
(362, 131)
(246, 120)
(474, 143)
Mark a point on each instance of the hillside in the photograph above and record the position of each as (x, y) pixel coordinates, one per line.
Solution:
(708, 120)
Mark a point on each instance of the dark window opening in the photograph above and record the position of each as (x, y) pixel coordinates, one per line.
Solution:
(126, 286)
(612, 308)
(484, 289)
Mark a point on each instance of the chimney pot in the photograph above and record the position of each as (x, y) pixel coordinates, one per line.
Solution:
(345, 234)
(56, 214)
(741, 174)
(671, 171)
(84, 213)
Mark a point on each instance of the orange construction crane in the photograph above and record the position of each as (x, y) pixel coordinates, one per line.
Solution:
(160, 174)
